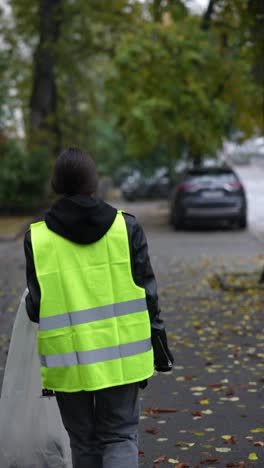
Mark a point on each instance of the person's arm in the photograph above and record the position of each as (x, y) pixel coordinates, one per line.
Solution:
(33, 296)
(141, 267)
(144, 277)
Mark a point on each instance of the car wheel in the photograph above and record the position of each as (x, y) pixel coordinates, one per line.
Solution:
(177, 222)
(242, 222)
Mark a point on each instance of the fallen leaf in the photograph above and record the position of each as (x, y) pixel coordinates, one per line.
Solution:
(253, 456)
(208, 461)
(223, 449)
(153, 411)
(182, 465)
(258, 429)
(173, 461)
(198, 389)
(230, 440)
(151, 430)
(197, 413)
(150, 412)
(236, 465)
(160, 459)
(259, 443)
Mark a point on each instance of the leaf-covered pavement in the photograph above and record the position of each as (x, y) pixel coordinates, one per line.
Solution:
(210, 410)
(12, 284)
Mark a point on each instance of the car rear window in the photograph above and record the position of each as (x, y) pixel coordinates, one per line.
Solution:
(221, 177)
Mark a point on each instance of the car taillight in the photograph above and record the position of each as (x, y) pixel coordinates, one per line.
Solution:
(234, 185)
(188, 187)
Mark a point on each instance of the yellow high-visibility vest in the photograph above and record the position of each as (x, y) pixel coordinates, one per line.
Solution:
(94, 329)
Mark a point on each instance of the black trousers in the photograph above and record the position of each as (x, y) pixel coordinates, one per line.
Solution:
(102, 426)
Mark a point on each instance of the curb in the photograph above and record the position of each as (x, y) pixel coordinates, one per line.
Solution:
(257, 234)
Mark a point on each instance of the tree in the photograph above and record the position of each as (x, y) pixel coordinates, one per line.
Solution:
(240, 27)
(75, 44)
(71, 43)
(3, 90)
(158, 9)
(170, 88)
(44, 120)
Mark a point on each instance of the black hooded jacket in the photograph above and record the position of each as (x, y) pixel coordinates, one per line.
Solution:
(84, 220)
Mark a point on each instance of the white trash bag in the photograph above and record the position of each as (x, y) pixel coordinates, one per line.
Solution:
(31, 430)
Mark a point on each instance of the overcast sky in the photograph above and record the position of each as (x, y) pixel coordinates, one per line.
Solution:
(199, 4)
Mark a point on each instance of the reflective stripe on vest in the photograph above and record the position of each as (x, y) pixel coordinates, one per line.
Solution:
(96, 355)
(92, 315)
(94, 329)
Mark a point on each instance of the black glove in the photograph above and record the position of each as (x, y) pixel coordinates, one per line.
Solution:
(163, 358)
(47, 393)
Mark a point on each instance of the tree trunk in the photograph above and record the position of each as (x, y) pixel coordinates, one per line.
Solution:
(207, 16)
(157, 10)
(44, 121)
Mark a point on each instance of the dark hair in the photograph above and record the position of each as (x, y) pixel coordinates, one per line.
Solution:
(74, 173)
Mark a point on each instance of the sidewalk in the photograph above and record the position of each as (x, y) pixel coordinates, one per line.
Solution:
(210, 410)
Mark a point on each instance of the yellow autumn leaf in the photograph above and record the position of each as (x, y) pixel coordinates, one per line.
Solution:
(253, 456)
(258, 429)
(204, 402)
(198, 389)
(226, 437)
(223, 449)
(173, 460)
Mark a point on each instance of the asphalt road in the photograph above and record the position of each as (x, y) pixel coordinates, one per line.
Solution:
(165, 242)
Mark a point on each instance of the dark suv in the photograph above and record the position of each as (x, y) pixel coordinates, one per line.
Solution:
(208, 194)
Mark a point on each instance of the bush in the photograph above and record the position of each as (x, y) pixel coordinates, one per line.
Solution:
(23, 179)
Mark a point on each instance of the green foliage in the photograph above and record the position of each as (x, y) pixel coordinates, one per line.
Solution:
(136, 81)
(239, 28)
(173, 86)
(23, 178)
(3, 88)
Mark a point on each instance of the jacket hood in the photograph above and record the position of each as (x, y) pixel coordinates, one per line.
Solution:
(80, 218)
